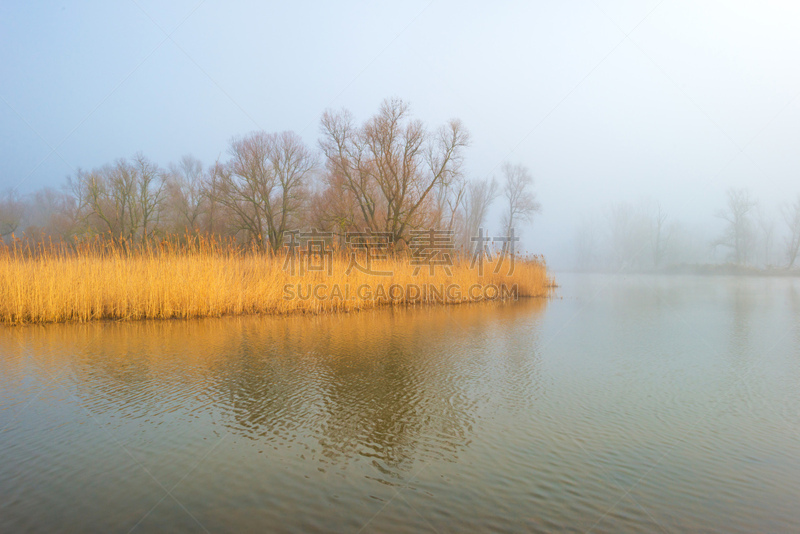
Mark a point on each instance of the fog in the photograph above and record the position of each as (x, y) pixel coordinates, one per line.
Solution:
(621, 111)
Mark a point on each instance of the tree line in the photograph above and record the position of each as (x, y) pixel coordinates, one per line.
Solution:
(643, 237)
(389, 174)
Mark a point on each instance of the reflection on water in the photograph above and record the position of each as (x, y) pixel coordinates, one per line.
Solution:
(637, 403)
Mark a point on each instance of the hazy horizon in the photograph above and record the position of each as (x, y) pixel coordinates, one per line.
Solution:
(603, 101)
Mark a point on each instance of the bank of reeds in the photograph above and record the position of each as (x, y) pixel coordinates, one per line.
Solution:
(200, 277)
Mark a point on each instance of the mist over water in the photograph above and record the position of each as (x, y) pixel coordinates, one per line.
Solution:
(630, 403)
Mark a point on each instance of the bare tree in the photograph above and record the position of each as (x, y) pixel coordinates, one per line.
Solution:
(587, 247)
(738, 233)
(12, 210)
(150, 195)
(50, 213)
(219, 218)
(520, 200)
(334, 210)
(122, 199)
(188, 198)
(635, 236)
(264, 184)
(766, 233)
(106, 199)
(791, 214)
(628, 236)
(660, 235)
(447, 214)
(391, 165)
(475, 205)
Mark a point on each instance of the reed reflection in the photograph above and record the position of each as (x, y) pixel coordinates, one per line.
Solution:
(387, 386)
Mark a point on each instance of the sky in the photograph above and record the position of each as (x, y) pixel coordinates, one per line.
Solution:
(605, 101)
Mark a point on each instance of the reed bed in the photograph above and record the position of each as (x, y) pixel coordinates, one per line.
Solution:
(120, 280)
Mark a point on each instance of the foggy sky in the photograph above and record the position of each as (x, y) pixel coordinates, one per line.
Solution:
(603, 100)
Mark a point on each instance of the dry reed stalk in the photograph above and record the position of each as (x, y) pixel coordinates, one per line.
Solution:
(201, 277)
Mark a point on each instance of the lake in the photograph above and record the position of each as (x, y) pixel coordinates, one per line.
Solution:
(624, 404)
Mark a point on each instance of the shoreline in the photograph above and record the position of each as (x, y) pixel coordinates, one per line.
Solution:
(705, 270)
(381, 306)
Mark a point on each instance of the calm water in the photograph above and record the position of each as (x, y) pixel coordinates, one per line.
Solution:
(626, 404)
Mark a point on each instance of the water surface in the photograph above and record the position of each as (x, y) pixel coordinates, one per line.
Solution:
(625, 404)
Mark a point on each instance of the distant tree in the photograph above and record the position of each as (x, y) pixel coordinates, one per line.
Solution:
(475, 204)
(263, 185)
(12, 209)
(791, 215)
(635, 237)
(391, 166)
(188, 199)
(520, 200)
(219, 219)
(149, 197)
(588, 255)
(738, 233)
(123, 199)
(660, 235)
(447, 214)
(766, 234)
(50, 213)
(105, 197)
(628, 236)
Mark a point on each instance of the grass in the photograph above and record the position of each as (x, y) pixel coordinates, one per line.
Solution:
(106, 279)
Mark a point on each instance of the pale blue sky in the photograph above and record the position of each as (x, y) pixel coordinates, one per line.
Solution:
(602, 99)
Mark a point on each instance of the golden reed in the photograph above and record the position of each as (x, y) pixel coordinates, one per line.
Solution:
(202, 277)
